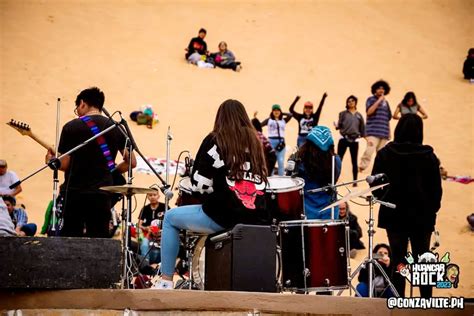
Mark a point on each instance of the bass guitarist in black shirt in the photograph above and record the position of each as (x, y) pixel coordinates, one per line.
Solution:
(86, 207)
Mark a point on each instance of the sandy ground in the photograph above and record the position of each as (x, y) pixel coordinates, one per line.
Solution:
(133, 50)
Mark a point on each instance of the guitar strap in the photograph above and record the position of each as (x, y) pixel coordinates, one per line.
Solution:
(100, 141)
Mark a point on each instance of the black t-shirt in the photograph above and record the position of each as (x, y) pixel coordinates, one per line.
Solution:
(227, 202)
(306, 123)
(88, 170)
(147, 214)
(196, 45)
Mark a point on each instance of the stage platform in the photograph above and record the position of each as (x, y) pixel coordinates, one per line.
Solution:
(184, 302)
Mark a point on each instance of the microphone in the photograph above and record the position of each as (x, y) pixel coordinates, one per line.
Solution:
(188, 165)
(373, 178)
(167, 192)
(290, 167)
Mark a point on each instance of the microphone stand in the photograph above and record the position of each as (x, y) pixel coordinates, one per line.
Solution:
(123, 124)
(371, 260)
(128, 255)
(55, 174)
(169, 138)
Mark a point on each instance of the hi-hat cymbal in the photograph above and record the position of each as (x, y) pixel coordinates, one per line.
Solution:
(128, 189)
(355, 194)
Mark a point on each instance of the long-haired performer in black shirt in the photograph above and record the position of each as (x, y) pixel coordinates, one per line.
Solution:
(229, 177)
(86, 207)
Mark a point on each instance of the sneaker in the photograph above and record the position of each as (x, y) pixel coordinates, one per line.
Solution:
(163, 285)
(238, 68)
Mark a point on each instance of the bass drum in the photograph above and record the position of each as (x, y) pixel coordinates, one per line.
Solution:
(199, 262)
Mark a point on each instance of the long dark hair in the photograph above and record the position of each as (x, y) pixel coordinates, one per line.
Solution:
(317, 163)
(409, 95)
(237, 139)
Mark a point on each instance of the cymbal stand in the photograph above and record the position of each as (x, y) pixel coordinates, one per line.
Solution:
(127, 260)
(371, 260)
(54, 218)
(169, 138)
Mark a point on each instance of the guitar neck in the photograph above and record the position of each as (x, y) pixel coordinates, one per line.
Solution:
(41, 142)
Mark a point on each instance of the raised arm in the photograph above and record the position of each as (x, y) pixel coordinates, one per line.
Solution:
(320, 108)
(292, 108)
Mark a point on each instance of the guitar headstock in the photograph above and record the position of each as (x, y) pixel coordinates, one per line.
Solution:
(22, 128)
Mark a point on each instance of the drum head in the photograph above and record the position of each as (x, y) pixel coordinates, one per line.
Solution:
(281, 184)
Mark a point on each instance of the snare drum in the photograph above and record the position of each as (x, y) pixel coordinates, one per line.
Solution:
(285, 197)
(314, 255)
(185, 193)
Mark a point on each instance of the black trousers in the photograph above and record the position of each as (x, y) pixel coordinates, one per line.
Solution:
(233, 65)
(420, 243)
(354, 150)
(86, 215)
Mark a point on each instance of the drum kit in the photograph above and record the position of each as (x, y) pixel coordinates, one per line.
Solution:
(312, 255)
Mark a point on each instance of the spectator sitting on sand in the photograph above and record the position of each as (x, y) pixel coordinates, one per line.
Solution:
(197, 45)
(468, 67)
(224, 58)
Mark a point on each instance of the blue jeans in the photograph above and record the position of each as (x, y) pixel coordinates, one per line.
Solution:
(153, 254)
(29, 229)
(189, 217)
(280, 155)
(300, 140)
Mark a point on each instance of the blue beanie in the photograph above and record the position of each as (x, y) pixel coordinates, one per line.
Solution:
(321, 137)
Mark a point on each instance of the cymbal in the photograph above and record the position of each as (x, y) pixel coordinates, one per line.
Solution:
(128, 189)
(354, 194)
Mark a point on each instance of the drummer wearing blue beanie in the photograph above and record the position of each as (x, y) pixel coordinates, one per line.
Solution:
(316, 168)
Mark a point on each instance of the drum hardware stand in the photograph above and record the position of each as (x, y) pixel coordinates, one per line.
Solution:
(371, 260)
(169, 138)
(165, 188)
(55, 175)
(190, 284)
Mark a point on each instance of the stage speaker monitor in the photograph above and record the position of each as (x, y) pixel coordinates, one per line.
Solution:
(59, 263)
(242, 259)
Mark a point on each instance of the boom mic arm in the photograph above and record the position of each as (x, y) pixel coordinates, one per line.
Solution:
(165, 188)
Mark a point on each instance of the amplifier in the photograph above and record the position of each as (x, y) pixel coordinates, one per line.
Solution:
(59, 263)
(242, 259)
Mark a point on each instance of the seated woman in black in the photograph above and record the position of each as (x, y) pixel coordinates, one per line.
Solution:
(229, 176)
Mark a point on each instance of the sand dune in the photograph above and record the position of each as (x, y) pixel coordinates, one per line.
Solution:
(133, 50)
